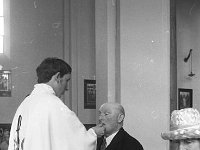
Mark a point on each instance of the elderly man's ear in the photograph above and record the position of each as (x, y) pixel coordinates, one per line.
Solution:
(121, 118)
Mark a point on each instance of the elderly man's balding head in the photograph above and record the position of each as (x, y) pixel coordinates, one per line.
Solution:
(111, 116)
(115, 106)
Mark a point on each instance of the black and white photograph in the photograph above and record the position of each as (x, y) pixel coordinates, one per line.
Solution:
(185, 98)
(89, 94)
(5, 83)
(4, 136)
(70, 69)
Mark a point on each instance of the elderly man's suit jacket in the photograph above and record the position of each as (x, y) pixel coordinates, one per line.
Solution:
(121, 141)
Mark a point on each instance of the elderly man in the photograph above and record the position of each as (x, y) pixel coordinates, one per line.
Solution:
(111, 116)
(185, 125)
(43, 121)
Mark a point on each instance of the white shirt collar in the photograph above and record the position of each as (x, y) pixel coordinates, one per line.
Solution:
(109, 138)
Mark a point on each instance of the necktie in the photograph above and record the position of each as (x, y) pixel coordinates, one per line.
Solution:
(103, 145)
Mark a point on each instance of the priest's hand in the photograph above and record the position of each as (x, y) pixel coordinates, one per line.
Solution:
(99, 130)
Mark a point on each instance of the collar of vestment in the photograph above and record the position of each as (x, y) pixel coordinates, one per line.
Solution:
(43, 88)
(109, 138)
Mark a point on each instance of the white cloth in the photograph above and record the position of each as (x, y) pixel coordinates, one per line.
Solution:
(48, 124)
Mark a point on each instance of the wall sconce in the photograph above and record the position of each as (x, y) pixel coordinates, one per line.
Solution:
(191, 74)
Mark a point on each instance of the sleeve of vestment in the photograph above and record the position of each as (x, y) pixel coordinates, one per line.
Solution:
(67, 132)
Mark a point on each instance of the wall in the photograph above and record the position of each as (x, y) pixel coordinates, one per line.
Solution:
(188, 36)
(145, 60)
(82, 55)
(36, 31)
(105, 47)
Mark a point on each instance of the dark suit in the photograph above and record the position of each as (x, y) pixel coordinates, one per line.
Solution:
(121, 141)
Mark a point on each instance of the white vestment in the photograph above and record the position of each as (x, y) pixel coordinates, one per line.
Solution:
(44, 122)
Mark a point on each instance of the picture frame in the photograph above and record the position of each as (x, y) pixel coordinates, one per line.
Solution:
(185, 98)
(4, 127)
(89, 94)
(5, 83)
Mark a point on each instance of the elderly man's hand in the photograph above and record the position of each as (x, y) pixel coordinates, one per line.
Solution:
(99, 130)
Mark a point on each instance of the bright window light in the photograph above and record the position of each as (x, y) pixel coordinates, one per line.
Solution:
(1, 27)
(1, 7)
(1, 44)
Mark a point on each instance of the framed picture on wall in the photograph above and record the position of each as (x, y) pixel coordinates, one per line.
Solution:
(89, 94)
(5, 83)
(185, 98)
(4, 130)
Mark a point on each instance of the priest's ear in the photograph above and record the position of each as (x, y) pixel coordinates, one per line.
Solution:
(57, 77)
